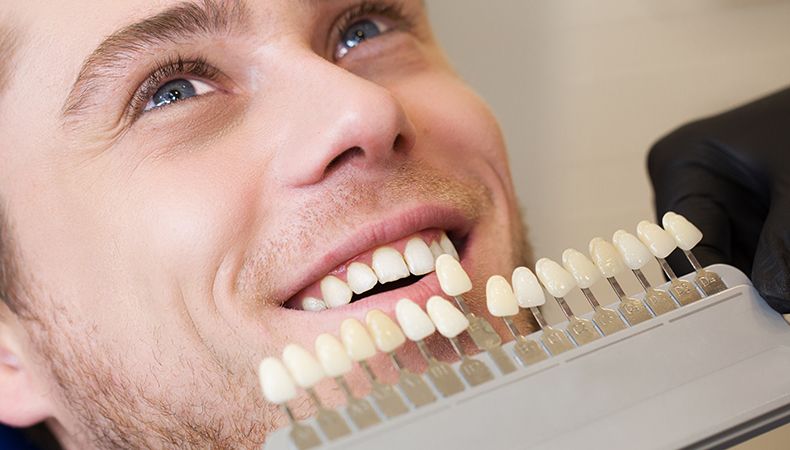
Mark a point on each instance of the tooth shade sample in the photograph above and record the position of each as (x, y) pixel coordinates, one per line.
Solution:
(332, 355)
(606, 257)
(414, 322)
(277, 384)
(448, 320)
(528, 292)
(452, 277)
(418, 257)
(313, 304)
(556, 279)
(436, 250)
(304, 368)
(633, 251)
(359, 346)
(500, 299)
(385, 332)
(686, 235)
(583, 270)
(360, 277)
(447, 246)
(389, 265)
(335, 291)
(656, 239)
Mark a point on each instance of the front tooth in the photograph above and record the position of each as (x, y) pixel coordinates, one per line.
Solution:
(686, 235)
(389, 265)
(386, 334)
(418, 257)
(356, 340)
(452, 278)
(527, 289)
(277, 384)
(313, 304)
(500, 299)
(332, 355)
(360, 277)
(414, 322)
(633, 251)
(556, 279)
(582, 269)
(660, 243)
(436, 250)
(304, 368)
(606, 257)
(448, 246)
(447, 318)
(335, 291)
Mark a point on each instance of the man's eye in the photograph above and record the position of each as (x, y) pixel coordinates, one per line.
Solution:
(358, 32)
(177, 90)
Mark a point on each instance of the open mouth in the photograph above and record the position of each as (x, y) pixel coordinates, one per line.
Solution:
(396, 265)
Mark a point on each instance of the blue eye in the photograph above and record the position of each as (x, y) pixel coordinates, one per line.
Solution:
(177, 90)
(357, 33)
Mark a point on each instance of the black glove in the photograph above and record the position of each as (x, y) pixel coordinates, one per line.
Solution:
(730, 176)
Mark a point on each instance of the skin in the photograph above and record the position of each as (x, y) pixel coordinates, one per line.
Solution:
(155, 253)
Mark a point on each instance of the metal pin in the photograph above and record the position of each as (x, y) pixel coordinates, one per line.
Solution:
(555, 340)
(709, 281)
(527, 351)
(330, 421)
(412, 385)
(486, 338)
(683, 291)
(687, 236)
(634, 310)
(658, 300)
(608, 320)
(385, 397)
(360, 410)
(474, 371)
(440, 373)
(581, 330)
(303, 436)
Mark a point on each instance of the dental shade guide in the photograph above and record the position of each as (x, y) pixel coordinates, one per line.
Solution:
(388, 337)
(360, 348)
(307, 372)
(530, 296)
(687, 236)
(636, 256)
(610, 264)
(586, 274)
(661, 244)
(279, 388)
(417, 325)
(559, 283)
(336, 363)
(502, 302)
(455, 282)
(451, 323)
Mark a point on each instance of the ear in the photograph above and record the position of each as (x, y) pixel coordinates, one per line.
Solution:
(22, 399)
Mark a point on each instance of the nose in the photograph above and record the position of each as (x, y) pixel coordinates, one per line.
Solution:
(348, 122)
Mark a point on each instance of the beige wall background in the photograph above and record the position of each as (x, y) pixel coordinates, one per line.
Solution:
(582, 88)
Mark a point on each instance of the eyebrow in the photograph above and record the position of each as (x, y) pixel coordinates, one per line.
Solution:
(179, 23)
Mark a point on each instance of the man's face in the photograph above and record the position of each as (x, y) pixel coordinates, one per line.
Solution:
(211, 165)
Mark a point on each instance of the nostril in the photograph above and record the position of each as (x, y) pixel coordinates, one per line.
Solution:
(344, 157)
(399, 144)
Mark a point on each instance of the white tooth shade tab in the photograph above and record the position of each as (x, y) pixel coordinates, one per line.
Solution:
(304, 368)
(389, 265)
(335, 291)
(418, 256)
(686, 235)
(414, 322)
(528, 292)
(606, 257)
(332, 355)
(359, 346)
(277, 384)
(582, 269)
(556, 279)
(386, 333)
(452, 277)
(360, 277)
(313, 304)
(447, 318)
(633, 251)
(447, 246)
(500, 299)
(655, 238)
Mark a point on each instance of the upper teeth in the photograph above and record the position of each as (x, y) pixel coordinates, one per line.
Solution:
(388, 265)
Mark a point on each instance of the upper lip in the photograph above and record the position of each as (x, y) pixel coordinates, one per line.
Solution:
(387, 228)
